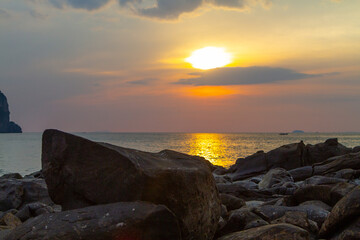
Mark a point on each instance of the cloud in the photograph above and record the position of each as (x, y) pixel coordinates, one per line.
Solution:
(81, 4)
(37, 15)
(243, 76)
(170, 9)
(161, 9)
(4, 14)
(173, 9)
(145, 81)
(239, 4)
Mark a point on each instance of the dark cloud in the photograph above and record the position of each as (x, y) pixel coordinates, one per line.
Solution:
(239, 4)
(4, 14)
(82, 4)
(170, 9)
(145, 81)
(38, 15)
(243, 76)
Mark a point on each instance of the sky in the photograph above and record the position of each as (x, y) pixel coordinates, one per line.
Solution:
(120, 65)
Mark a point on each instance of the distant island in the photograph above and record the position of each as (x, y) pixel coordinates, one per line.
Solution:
(7, 126)
(298, 131)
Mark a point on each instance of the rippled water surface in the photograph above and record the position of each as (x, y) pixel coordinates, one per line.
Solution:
(22, 152)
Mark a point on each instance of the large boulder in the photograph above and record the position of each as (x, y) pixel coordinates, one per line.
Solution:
(322, 151)
(120, 221)
(342, 213)
(334, 164)
(81, 173)
(281, 231)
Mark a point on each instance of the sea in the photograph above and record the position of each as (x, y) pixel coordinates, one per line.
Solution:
(22, 152)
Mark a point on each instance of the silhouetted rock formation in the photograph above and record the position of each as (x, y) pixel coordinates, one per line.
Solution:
(6, 126)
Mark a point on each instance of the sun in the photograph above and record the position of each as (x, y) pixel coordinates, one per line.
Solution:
(209, 57)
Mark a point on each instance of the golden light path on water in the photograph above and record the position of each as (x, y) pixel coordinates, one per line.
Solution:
(211, 146)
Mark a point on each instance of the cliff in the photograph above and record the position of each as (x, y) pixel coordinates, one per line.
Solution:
(6, 126)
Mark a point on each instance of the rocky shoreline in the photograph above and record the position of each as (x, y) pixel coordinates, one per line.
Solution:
(95, 191)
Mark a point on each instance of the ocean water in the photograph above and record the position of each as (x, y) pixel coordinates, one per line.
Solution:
(22, 152)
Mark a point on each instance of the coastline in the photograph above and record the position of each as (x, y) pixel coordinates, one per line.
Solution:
(293, 190)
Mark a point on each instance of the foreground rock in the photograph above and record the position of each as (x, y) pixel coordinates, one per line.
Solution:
(343, 213)
(275, 231)
(120, 221)
(80, 173)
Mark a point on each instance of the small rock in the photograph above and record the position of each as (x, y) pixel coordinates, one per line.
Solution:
(275, 178)
(10, 220)
(281, 231)
(231, 202)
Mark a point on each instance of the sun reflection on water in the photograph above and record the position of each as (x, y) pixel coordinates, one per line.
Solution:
(211, 146)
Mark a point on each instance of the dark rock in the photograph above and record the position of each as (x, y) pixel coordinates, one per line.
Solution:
(11, 175)
(32, 210)
(322, 180)
(356, 149)
(37, 174)
(289, 157)
(238, 190)
(80, 173)
(342, 213)
(224, 211)
(334, 164)
(121, 221)
(5, 125)
(16, 192)
(248, 167)
(241, 219)
(4, 232)
(219, 170)
(317, 203)
(298, 219)
(302, 173)
(221, 178)
(11, 194)
(10, 220)
(325, 193)
(231, 202)
(254, 204)
(274, 231)
(275, 178)
(322, 151)
(347, 173)
(351, 232)
(271, 213)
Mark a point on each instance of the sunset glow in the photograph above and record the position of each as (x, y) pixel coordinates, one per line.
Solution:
(209, 57)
